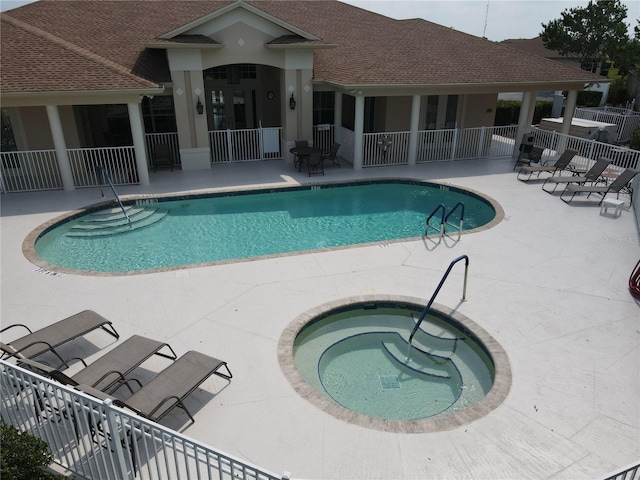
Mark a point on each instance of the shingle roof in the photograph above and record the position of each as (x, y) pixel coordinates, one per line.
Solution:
(37, 57)
(101, 44)
(535, 46)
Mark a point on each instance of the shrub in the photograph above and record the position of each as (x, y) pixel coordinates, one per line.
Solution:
(635, 140)
(508, 111)
(23, 456)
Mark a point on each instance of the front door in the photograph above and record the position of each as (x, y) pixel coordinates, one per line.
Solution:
(231, 108)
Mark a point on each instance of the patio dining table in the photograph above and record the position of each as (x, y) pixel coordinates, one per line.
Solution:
(302, 154)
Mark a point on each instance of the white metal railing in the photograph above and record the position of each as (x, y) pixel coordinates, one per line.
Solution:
(38, 170)
(120, 162)
(387, 148)
(323, 136)
(588, 150)
(170, 139)
(245, 145)
(630, 472)
(95, 439)
(29, 170)
(392, 148)
(627, 121)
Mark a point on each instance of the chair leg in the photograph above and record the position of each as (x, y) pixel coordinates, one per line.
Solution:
(567, 201)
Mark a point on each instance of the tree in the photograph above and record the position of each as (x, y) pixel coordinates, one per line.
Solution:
(594, 33)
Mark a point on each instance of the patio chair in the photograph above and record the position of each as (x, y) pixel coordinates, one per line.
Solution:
(529, 155)
(332, 155)
(620, 182)
(48, 338)
(315, 163)
(562, 163)
(162, 156)
(174, 384)
(298, 159)
(591, 176)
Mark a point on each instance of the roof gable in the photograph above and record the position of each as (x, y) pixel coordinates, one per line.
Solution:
(238, 11)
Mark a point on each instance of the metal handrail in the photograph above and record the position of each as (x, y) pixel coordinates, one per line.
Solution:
(439, 207)
(107, 179)
(433, 297)
(459, 204)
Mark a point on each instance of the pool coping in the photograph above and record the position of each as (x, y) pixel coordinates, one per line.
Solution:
(494, 398)
(29, 251)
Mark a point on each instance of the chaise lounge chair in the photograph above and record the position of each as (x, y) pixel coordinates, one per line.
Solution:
(561, 164)
(48, 338)
(173, 385)
(620, 182)
(591, 176)
(112, 368)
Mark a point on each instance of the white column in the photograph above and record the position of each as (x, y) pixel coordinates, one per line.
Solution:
(358, 133)
(569, 109)
(337, 117)
(524, 123)
(413, 134)
(61, 147)
(137, 132)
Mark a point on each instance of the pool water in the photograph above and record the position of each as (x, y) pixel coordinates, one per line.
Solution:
(360, 359)
(225, 227)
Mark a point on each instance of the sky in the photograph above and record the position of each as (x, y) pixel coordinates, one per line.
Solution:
(495, 19)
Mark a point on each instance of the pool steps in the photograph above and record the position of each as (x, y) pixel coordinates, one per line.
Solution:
(422, 362)
(112, 221)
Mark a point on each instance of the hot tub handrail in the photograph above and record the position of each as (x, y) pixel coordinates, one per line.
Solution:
(107, 179)
(439, 207)
(433, 297)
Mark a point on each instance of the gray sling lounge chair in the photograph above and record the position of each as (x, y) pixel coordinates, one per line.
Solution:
(591, 176)
(112, 368)
(620, 182)
(48, 338)
(562, 163)
(174, 384)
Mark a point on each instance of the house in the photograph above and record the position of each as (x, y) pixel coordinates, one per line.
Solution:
(89, 82)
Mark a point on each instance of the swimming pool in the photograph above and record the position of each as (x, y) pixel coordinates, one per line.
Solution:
(180, 231)
(351, 358)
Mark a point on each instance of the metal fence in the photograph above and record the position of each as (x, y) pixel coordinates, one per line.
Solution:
(170, 139)
(38, 170)
(29, 170)
(588, 150)
(94, 439)
(627, 121)
(392, 148)
(245, 145)
(120, 163)
(323, 136)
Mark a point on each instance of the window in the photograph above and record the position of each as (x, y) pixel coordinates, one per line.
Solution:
(7, 139)
(323, 107)
(452, 112)
(232, 73)
(349, 112)
(432, 113)
(158, 114)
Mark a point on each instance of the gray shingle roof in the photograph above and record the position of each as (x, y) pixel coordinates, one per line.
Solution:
(55, 45)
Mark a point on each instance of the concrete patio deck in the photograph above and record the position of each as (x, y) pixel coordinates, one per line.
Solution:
(549, 283)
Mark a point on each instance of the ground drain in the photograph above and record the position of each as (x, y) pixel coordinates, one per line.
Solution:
(389, 381)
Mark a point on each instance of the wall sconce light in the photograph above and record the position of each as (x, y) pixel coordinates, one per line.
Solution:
(292, 102)
(199, 107)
